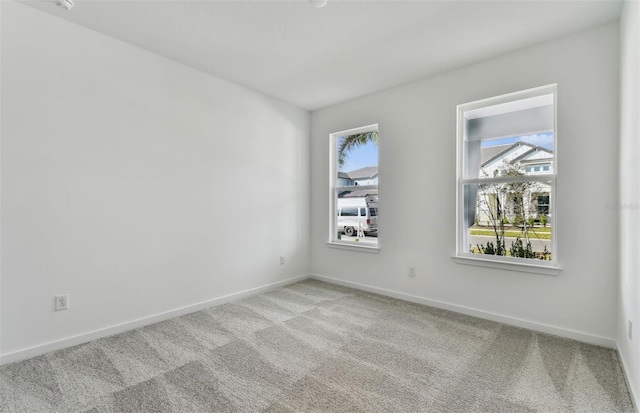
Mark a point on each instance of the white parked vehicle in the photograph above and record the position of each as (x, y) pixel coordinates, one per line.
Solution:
(357, 214)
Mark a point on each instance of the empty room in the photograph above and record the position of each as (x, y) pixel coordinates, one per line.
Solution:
(319, 206)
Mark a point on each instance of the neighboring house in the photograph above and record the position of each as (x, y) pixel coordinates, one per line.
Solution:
(514, 202)
(367, 176)
(344, 180)
(535, 159)
(363, 176)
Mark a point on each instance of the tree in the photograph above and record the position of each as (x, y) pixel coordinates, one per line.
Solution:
(499, 201)
(348, 143)
(490, 202)
(518, 192)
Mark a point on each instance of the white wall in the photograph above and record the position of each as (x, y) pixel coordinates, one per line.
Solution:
(131, 179)
(417, 126)
(629, 205)
(135, 184)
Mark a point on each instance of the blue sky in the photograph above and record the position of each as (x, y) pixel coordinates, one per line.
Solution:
(541, 139)
(367, 155)
(360, 157)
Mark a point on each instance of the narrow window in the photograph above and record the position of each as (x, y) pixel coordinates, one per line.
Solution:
(354, 187)
(508, 216)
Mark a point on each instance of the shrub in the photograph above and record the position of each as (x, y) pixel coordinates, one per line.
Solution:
(491, 248)
(543, 220)
(522, 251)
(488, 249)
(545, 254)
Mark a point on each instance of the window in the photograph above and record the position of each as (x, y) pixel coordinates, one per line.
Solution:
(542, 204)
(354, 189)
(349, 212)
(507, 218)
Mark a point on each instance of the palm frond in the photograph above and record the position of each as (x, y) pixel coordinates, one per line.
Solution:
(348, 143)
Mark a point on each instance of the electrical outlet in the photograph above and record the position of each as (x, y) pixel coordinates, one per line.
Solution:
(630, 330)
(282, 260)
(62, 302)
(412, 271)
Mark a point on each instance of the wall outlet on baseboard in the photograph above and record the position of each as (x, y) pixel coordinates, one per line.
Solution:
(412, 271)
(630, 329)
(282, 260)
(62, 302)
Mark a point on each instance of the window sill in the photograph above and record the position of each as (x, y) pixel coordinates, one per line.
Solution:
(353, 247)
(508, 266)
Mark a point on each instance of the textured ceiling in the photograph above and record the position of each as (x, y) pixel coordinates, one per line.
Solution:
(314, 57)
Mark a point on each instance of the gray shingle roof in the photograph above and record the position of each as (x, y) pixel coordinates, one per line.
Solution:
(359, 194)
(533, 150)
(490, 152)
(367, 172)
(487, 154)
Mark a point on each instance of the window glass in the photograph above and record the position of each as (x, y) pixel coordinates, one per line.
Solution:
(505, 206)
(354, 180)
(542, 204)
(349, 212)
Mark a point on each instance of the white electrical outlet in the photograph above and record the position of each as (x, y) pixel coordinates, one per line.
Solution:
(282, 260)
(630, 330)
(412, 271)
(62, 302)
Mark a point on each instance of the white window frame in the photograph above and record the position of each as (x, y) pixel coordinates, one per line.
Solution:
(462, 231)
(333, 241)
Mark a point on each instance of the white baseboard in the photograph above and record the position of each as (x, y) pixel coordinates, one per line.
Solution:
(630, 384)
(531, 325)
(141, 322)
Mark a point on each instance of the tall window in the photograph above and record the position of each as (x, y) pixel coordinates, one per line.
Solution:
(507, 178)
(354, 188)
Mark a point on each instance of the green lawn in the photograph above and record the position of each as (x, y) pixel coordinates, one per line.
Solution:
(514, 232)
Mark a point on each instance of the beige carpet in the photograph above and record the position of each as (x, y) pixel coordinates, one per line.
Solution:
(317, 347)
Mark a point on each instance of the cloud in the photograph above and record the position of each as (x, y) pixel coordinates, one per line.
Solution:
(542, 139)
